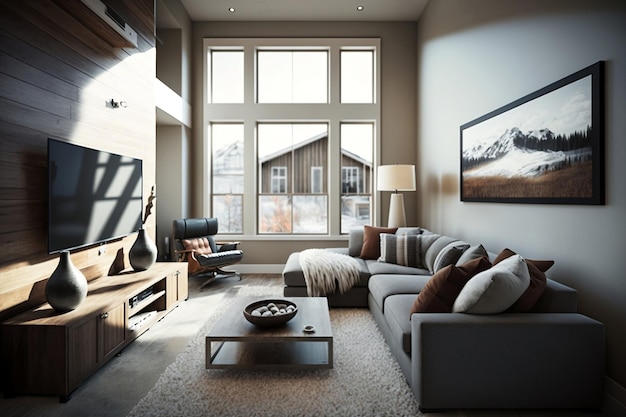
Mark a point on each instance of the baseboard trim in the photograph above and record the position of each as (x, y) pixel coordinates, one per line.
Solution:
(615, 398)
(259, 268)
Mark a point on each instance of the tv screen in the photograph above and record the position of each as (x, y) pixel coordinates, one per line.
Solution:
(93, 196)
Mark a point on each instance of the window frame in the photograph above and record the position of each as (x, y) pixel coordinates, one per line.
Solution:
(250, 113)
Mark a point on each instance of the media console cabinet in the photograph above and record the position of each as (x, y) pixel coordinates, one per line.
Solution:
(49, 353)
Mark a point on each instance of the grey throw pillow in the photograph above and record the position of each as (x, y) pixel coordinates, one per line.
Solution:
(449, 256)
(401, 250)
(473, 252)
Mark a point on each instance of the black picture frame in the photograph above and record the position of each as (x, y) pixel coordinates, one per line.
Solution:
(544, 148)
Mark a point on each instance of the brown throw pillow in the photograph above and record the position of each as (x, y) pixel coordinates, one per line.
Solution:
(371, 241)
(443, 288)
(537, 286)
(199, 245)
(543, 266)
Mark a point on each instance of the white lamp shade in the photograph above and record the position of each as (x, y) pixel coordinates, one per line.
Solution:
(396, 178)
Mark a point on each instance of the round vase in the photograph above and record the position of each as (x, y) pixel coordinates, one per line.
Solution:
(143, 253)
(67, 286)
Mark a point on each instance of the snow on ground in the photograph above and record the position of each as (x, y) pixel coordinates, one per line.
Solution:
(518, 162)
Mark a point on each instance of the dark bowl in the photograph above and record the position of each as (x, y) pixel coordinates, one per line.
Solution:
(270, 321)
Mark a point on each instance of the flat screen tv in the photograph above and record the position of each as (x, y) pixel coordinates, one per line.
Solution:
(93, 196)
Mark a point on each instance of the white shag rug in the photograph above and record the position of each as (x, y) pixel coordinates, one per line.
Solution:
(365, 381)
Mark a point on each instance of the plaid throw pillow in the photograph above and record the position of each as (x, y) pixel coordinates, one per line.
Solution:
(401, 250)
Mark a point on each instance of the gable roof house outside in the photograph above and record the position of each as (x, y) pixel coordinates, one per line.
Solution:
(299, 163)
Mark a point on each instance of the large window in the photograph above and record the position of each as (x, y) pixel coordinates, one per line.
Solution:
(292, 128)
(357, 76)
(357, 141)
(227, 175)
(287, 152)
(292, 76)
(225, 81)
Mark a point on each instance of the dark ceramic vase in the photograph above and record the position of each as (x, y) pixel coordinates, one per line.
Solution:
(143, 253)
(67, 286)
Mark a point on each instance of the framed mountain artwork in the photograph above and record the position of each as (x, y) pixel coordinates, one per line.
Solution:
(546, 147)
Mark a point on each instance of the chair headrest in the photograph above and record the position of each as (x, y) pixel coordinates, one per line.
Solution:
(184, 228)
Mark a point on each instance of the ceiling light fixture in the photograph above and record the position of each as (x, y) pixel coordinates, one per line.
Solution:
(231, 9)
(360, 8)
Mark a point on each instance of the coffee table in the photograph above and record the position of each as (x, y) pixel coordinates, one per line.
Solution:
(234, 342)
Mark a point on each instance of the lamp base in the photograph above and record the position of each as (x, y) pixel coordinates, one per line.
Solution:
(397, 217)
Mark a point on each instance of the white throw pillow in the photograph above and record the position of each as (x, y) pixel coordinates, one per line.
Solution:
(494, 290)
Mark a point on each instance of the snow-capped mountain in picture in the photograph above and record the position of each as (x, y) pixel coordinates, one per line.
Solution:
(530, 154)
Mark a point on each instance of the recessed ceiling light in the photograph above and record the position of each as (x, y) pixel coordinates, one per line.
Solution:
(360, 8)
(231, 9)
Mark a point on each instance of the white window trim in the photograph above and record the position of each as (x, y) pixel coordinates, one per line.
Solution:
(250, 113)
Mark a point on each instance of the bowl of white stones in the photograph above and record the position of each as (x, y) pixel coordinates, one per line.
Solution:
(270, 313)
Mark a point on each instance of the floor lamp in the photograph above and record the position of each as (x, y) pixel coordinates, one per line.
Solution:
(396, 178)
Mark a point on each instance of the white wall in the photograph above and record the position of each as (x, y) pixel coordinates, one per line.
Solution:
(476, 56)
(173, 132)
(172, 180)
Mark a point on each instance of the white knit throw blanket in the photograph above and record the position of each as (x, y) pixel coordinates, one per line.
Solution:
(324, 271)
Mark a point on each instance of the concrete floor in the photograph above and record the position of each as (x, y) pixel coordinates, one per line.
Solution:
(115, 389)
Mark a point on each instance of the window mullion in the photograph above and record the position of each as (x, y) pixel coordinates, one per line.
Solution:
(334, 177)
(334, 75)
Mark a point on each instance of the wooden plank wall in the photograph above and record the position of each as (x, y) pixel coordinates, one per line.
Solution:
(56, 75)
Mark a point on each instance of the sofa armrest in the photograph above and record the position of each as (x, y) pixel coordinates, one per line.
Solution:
(552, 360)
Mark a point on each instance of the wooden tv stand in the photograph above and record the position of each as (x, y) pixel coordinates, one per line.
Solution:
(45, 352)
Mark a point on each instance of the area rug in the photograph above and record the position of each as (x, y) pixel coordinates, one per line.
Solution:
(365, 380)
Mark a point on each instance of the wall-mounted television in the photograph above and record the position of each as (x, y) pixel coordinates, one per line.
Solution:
(93, 196)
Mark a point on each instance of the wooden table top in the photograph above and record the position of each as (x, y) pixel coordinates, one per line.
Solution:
(311, 311)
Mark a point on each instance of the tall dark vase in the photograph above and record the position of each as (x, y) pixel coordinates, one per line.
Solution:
(67, 286)
(143, 253)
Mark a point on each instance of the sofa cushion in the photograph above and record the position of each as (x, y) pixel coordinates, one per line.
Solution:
(376, 267)
(355, 241)
(404, 230)
(395, 313)
(536, 270)
(371, 241)
(402, 250)
(473, 252)
(382, 286)
(443, 288)
(449, 255)
(494, 290)
(432, 244)
(557, 298)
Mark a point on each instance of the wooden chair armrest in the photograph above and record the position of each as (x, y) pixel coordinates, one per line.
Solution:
(226, 243)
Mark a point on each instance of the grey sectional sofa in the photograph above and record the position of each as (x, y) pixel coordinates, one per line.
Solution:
(548, 357)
